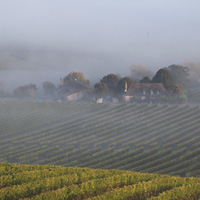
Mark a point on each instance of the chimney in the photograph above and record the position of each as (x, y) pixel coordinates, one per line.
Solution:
(125, 88)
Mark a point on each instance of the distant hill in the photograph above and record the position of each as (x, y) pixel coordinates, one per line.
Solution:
(55, 182)
(22, 65)
(32, 59)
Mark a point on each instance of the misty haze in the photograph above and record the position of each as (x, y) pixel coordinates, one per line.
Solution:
(99, 99)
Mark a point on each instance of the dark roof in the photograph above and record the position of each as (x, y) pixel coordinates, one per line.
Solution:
(134, 87)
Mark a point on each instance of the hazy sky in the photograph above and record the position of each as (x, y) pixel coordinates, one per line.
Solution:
(155, 33)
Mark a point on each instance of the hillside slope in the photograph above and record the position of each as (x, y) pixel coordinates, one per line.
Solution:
(157, 139)
(21, 58)
(55, 182)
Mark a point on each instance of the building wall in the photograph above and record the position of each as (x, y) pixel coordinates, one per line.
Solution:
(127, 98)
(74, 97)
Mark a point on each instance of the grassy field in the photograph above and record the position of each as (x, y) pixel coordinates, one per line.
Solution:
(162, 139)
(54, 182)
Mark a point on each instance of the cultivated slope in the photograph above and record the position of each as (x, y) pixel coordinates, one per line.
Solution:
(54, 182)
(157, 139)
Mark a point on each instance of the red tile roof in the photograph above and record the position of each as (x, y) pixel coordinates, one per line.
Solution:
(134, 87)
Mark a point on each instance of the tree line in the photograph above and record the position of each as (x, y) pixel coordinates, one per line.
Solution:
(174, 78)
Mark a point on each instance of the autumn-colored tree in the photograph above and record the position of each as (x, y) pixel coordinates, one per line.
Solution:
(27, 91)
(176, 94)
(75, 76)
(176, 90)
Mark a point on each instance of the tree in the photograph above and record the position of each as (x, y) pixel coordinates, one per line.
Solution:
(26, 91)
(122, 84)
(145, 79)
(75, 76)
(164, 76)
(180, 74)
(49, 88)
(176, 90)
(111, 81)
(101, 89)
(20, 92)
(194, 76)
(176, 94)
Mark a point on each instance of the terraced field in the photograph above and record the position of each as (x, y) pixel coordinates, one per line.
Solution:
(138, 137)
(54, 182)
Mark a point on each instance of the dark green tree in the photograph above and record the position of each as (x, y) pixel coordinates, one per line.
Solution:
(164, 76)
(101, 89)
(145, 79)
(49, 88)
(111, 81)
(122, 84)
